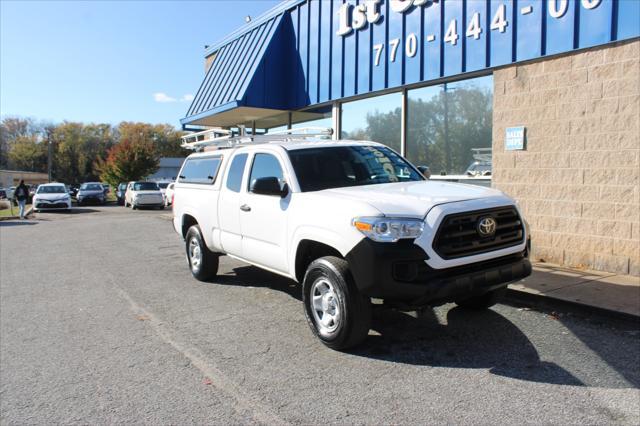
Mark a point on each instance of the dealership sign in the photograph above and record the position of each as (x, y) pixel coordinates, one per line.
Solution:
(514, 139)
(314, 52)
(356, 17)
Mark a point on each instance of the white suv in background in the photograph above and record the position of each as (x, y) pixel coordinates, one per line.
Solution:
(350, 221)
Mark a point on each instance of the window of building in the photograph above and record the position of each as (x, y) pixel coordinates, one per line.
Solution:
(236, 170)
(265, 165)
(447, 123)
(200, 170)
(318, 117)
(376, 119)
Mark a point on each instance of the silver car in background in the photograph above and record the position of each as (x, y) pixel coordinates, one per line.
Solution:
(143, 194)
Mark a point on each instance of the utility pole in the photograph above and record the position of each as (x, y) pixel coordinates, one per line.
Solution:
(49, 154)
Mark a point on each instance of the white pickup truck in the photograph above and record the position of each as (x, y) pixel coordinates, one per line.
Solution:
(350, 221)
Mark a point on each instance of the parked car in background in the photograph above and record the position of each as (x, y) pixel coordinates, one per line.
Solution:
(51, 196)
(91, 192)
(479, 168)
(73, 190)
(8, 193)
(163, 188)
(106, 187)
(122, 188)
(143, 194)
(168, 195)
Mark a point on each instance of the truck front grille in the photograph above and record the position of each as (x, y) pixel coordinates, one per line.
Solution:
(458, 234)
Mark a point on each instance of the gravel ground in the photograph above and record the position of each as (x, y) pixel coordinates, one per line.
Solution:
(101, 322)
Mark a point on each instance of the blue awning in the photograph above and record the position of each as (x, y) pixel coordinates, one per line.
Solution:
(248, 76)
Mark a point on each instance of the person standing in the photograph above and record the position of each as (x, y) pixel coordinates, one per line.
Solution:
(21, 194)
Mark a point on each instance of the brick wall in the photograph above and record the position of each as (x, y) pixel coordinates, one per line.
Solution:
(578, 180)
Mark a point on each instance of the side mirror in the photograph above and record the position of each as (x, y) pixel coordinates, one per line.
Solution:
(425, 171)
(269, 186)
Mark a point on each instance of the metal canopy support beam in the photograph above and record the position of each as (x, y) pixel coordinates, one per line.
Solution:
(336, 118)
(403, 124)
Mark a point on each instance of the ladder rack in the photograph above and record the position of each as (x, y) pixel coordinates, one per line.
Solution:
(229, 140)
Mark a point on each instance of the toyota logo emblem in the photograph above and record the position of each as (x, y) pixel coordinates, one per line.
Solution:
(487, 226)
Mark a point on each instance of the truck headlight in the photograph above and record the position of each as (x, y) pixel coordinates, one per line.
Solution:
(388, 229)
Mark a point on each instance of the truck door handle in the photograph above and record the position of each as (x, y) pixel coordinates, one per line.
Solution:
(245, 208)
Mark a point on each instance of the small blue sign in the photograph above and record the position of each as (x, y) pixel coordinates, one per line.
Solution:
(514, 139)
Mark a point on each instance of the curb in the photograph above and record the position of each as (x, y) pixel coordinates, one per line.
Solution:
(542, 302)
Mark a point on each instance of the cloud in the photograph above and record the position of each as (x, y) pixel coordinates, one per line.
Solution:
(187, 98)
(163, 97)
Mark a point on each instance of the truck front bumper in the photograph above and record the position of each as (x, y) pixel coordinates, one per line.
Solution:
(398, 273)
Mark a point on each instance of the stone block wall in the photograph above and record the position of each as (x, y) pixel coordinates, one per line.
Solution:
(578, 181)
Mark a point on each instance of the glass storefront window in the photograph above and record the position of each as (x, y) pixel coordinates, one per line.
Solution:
(376, 119)
(450, 123)
(319, 117)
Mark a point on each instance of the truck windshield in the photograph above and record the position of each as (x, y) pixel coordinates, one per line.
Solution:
(341, 166)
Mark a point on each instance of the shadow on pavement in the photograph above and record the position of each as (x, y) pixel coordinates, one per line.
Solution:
(16, 222)
(467, 339)
(251, 276)
(470, 339)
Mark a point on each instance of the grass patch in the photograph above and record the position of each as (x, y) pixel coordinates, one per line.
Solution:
(16, 211)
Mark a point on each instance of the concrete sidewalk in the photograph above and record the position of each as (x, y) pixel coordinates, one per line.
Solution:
(605, 291)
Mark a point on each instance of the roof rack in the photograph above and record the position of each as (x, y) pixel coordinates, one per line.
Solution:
(209, 138)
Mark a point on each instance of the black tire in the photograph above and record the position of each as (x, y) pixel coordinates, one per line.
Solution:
(354, 308)
(207, 267)
(484, 301)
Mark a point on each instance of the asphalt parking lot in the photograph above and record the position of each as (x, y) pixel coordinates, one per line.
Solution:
(101, 322)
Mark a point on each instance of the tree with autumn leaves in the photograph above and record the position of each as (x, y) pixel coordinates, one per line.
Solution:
(127, 161)
(80, 152)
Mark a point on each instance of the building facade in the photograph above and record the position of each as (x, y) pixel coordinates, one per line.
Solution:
(551, 88)
(168, 169)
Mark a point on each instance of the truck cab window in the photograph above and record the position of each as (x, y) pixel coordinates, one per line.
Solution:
(200, 170)
(265, 165)
(236, 170)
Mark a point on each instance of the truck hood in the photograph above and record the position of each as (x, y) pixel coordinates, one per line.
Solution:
(413, 199)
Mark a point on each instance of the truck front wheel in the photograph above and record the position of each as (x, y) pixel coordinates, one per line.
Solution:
(202, 262)
(483, 301)
(338, 314)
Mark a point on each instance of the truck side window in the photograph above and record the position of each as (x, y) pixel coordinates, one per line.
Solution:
(265, 165)
(236, 169)
(200, 170)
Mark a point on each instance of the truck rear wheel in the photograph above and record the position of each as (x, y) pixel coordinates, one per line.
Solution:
(338, 314)
(202, 262)
(483, 301)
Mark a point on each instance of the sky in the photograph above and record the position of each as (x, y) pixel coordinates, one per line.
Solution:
(110, 61)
